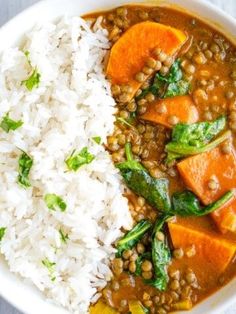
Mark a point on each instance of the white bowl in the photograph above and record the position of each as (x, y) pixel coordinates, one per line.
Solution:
(19, 293)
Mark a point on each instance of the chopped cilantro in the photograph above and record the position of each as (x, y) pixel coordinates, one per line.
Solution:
(51, 268)
(8, 124)
(54, 202)
(2, 232)
(64, 236)
(78, 159)
(33, 80)
(97, 139)
(25, 163)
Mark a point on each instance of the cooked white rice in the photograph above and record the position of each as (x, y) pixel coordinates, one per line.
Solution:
(72, 104)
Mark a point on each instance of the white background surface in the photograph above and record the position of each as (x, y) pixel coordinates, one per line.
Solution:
(9, 8)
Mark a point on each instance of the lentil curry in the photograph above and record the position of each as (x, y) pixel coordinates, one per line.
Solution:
(173, 78)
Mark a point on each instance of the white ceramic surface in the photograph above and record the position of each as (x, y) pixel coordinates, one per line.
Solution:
(19, 293)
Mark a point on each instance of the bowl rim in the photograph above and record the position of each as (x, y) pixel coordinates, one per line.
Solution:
(229, 22)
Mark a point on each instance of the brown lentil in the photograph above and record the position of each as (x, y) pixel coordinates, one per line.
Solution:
(126, 254)
(175, 274)
(122, 11)
(212, 184)
(174, 285)
(161, 108)
(226, 148)
(115, 285)
(147, 70)
(147, 274)
(173, 120)
(160, 236)
(191, 251)
(164, 70)
(134, 256)
(178, 253)
(140, 248)
(123, 303)
(124, 97)
(190, 277)
(151, 63)
(140, 77)
(199, 58)
(158, 65)
(132, 106)
(117, 262)
(150, 97)
(146, 266)
(161, 56)
(143, 15)
(116, 90)
(132, 267)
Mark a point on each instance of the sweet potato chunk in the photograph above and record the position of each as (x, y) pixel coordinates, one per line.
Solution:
(225, 217)
(198, 170)
(129, 53)
(213, 254)
(180, 106)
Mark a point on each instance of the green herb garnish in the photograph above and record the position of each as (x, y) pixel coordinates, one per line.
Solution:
(27, 53)
(97, 139)
(55, 202)
(78, 159)
(191, 139)
(33, 81)
(64, 236)
(51, 268)
(7, 124)
(133, 236)
(25, 163)
(2, 232)
(155, 191)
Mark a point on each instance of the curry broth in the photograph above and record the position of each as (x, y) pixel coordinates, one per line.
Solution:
(209, 63)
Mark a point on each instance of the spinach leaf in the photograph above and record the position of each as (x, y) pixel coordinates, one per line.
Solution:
(7, 124)
(130, 164)
(54, 201)
(161, 257)
(2, 232)
(197, 134)
(25, 163)
(169, 85)
(133, 236)
(155, 191)
(174, 75)
(78, 159)
(191, 139)
(187, 204)
(177, 89)
(176, 150)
